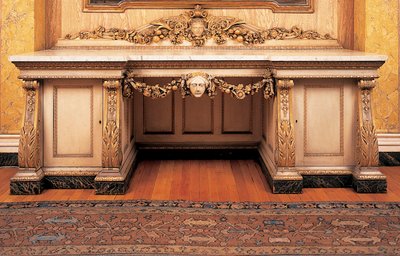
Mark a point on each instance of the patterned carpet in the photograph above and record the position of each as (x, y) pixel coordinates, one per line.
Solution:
(182, 228)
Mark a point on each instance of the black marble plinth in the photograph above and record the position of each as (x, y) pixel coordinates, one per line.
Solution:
(327, 181)
(8, 159)
(69, 182)
(287, 186)
(389, 158)
(281, 186)
(370, 186)
(116, 187)
(26, 187)
(111, 187)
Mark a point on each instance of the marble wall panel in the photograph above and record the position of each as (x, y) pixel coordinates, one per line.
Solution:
(377, 31)
(22, 30)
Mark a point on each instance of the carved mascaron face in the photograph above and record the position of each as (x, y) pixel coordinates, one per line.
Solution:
(197, 27)
(197, 85)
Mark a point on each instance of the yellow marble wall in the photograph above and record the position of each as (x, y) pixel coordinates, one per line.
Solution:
(21, 30)
(377, 31)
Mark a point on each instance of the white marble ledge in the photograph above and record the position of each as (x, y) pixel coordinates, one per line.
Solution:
(195, 55)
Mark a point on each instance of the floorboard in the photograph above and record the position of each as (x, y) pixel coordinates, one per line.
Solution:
(205, 180)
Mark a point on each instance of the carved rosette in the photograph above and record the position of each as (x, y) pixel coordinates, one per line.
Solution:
(112, 152)
(368, 152)
(197, 26)
(239, 91)
(285, 156)
(29, 150)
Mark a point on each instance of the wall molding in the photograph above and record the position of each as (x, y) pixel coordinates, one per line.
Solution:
(9, 143)
(389, 142)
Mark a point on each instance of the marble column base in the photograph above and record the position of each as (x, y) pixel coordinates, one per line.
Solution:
(116, 187)
(370, 186)
(26, 187)
(281, 186)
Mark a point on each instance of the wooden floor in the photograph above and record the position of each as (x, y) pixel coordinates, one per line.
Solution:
(205, 180)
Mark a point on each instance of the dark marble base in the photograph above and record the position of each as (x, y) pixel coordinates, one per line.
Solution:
(287, 186)
(8, 159)
(26, 187)
(69, 182)
(389, 158)
(327, 181)
(281, 186)
(370, 186)
(116, 187)
(111, 187)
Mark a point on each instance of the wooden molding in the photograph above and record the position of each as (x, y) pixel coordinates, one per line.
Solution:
(296, 6)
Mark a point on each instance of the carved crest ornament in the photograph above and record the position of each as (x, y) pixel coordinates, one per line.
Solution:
(197, 26)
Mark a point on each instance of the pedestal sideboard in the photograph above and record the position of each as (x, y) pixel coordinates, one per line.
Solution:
(81, 130)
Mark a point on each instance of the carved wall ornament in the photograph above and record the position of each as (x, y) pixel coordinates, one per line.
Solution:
(29, 152)
(198, 83)
(197, 26)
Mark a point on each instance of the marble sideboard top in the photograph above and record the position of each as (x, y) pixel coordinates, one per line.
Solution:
(203, 54)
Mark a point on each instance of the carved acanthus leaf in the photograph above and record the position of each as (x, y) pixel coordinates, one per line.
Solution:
(112, 156)
(368, 145)
(196, 27)
(29, 147)
(286, 145)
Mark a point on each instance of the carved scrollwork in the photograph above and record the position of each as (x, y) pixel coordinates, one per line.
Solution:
(198, 83)
(29, 144)
(197, 26)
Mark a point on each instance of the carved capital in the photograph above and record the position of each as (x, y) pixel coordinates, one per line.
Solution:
(285, 84)
(29, 150)
(285, 155)
(112, 152)
(112, 84)
(367, 84)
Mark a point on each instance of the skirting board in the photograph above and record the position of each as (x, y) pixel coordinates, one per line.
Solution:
(389, 142)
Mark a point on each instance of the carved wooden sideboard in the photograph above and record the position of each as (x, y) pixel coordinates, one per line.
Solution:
(92, 105)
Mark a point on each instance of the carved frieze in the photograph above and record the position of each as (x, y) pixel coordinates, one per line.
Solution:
(197, 26)
(198, 83)
(29, 155)
(112, 152)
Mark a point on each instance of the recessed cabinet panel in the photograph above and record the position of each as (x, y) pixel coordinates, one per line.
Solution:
(73, 121)
(237, 116)
(323, 121)
(158, 115)
(198, 115)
